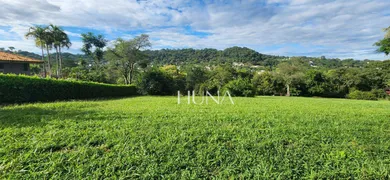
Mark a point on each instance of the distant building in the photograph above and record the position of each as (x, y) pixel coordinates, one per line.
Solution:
(16, 64)
(311, 63)
(261, 72)
(238, 64)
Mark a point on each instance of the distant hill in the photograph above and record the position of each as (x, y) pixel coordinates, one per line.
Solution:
(208, 55)
(242, 56)
(237, 55)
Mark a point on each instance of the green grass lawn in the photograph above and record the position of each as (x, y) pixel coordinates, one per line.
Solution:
(154, 137)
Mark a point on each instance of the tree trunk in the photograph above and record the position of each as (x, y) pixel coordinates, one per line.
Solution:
(60, 62)
(48, 61)
(125, 77)
(131, 73)
(130, 78)
(44, 64)
(288, 90)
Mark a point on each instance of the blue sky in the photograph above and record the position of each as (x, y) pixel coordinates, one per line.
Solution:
(331, 28)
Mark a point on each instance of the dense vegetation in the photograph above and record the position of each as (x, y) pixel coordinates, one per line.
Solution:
(303, 76)
(240, 70)
(154, 137)
(17, 89)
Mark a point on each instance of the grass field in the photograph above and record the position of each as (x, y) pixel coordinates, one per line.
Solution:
(154, 137)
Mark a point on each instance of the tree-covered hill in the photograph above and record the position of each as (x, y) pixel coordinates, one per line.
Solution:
(209, 55)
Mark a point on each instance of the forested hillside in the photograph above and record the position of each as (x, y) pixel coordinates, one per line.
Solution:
(240, 70)
(209, 56)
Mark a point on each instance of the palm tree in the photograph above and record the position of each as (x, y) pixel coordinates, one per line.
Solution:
(60, 40)
(48, 41)
(64, 43)
(38, 33)
(56, 33)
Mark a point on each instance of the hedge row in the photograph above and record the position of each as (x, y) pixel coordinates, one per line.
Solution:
(18, 89)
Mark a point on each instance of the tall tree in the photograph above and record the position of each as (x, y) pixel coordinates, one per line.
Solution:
(38, 33)
(196, 75)
(384, 44)
(93, 46)
(48, 40)
(290, 74)
(126, 54)
(60, 40)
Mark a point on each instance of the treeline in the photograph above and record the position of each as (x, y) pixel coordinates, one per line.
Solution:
(234, 55)
(242, 55)
(242, 71)
(292, 77)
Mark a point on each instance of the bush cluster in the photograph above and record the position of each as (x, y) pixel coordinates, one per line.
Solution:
(18, 89)
(156, 82)
(362, 95)
(240, 87)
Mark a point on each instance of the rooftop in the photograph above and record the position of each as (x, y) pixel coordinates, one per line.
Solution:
(17, 58)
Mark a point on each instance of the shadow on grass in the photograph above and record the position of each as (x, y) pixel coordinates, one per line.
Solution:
(2, 104)
(35, 116)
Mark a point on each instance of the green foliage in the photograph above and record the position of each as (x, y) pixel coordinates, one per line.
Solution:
(384, 44)
(242, 54)
(155, 138)
(60, 40)
(156, 82)
(362, 95)
(302, 76)
(292, 74)
(240, 87)
(218, 77)
(196, 76)
(126, 55)
(178, 77)
(379, 93)
(210, 56)
(93, 46)
(266, 83)
(38, 33)
(316, 82)
(19, 89)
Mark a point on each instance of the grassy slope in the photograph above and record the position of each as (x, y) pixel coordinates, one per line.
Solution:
(153, 137)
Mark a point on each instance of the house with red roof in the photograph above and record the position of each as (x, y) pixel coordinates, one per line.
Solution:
(16, 64)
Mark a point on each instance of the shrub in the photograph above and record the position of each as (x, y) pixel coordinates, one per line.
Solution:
(156, 82)
(362, 95)
(240, 87)
(19, 88)
(379, 93)
(267, 83)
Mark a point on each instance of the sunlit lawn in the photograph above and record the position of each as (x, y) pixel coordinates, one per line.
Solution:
(154, 137)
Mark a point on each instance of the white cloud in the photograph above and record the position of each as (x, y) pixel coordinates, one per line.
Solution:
(72, 34)
(19, 45)
(6, 34)
(336, 28)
